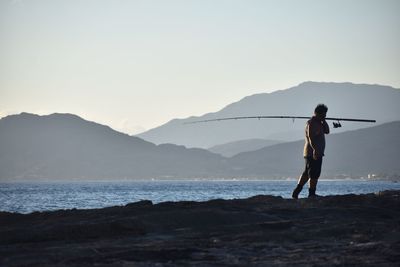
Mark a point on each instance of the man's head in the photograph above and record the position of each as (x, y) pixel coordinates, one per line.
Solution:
(320, 111)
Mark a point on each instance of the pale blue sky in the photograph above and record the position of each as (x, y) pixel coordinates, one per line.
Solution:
(138, 64)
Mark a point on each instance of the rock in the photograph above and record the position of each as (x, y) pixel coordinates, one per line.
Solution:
(348, 230)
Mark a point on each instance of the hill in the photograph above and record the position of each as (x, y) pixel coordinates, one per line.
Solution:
(232, 148)
(354, 153)
(64, 146)
(343, 99)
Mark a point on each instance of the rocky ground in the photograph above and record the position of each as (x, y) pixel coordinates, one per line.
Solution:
(348, 230)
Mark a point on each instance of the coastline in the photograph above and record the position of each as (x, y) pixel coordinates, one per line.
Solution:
(50, 196)
(257, 231)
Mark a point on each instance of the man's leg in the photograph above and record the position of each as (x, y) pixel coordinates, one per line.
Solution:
(302, 181)
(313, 188)
(315, 172)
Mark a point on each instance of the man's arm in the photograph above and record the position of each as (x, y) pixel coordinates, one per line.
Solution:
(325, 125)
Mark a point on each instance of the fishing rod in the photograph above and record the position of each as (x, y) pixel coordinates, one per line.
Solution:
(336, 123)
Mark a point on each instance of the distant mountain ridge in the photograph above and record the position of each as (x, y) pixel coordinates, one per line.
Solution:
(373, 150)
(64, 146)
(233, 148)
(343, 99)
(67, 147)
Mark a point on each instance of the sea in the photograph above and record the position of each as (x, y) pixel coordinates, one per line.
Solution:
(27, 197)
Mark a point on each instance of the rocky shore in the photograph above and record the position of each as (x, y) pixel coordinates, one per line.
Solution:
(346, 230)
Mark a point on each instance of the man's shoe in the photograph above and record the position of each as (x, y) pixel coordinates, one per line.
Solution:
(311, 193)
(296, 192)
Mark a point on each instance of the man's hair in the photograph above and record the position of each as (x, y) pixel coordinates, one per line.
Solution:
(321, 109)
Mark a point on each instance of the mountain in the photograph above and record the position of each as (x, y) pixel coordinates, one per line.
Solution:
(359, 152)
(232, 148)
(343, 99)
(64, 146)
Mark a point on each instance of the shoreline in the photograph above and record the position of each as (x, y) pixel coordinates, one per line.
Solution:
(26, 198)
(349, 230)
(73, 181)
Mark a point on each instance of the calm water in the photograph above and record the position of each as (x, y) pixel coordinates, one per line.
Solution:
(28, 197)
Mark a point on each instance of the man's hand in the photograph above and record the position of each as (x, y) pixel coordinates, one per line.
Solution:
(325, 126)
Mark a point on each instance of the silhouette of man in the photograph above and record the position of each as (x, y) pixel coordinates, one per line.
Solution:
(314, 148)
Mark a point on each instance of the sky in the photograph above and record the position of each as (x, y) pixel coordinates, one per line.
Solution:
(134, 65)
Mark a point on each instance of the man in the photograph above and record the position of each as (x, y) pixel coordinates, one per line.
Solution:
(314, 148)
